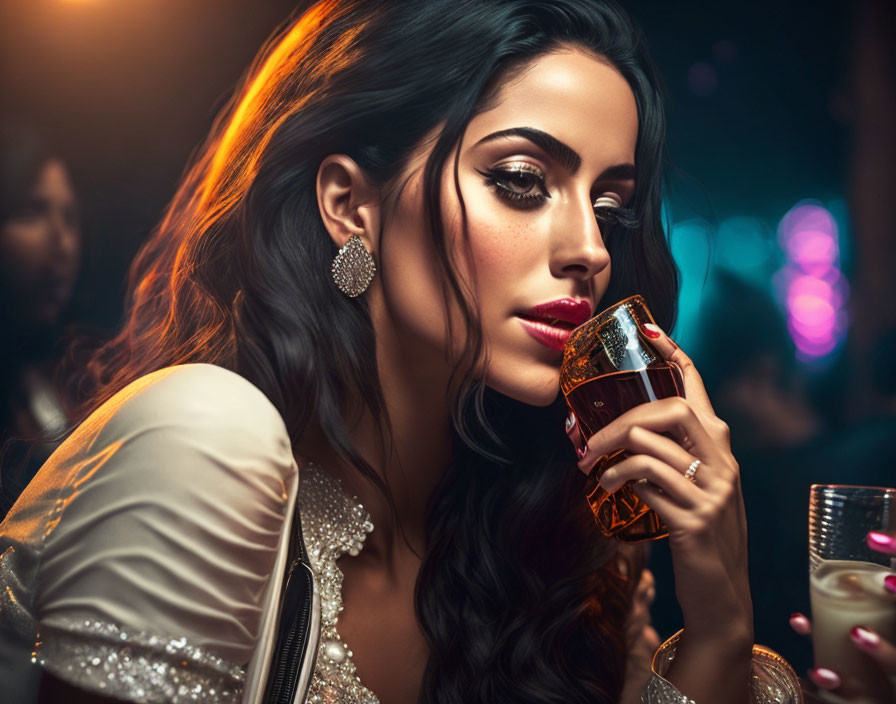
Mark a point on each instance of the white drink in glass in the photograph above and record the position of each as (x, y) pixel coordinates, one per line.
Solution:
(844, 594)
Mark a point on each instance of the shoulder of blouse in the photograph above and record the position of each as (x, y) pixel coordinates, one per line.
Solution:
(159, 517)
(172, 415)
(185, 401)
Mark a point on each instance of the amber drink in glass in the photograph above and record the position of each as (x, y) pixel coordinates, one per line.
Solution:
(609, 366)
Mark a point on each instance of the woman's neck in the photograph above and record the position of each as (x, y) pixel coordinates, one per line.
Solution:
(415, 460)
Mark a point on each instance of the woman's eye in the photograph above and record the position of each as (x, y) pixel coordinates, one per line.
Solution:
(519, 184)
(610, 212)
(606, 209)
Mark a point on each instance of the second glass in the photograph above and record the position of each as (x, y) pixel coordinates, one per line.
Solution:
(846, 580)
(610, 366)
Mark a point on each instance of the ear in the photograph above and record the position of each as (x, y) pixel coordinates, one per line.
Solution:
(349, 204)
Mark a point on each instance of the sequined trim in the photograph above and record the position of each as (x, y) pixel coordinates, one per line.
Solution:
(661, 691)
(772, 679)
(13, 614)
(332, 524)
(135, 665)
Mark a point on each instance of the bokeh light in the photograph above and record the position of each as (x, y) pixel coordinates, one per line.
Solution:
(702, 78)
(724, 51)
(746, 245)
(691, 243)
(811, 284)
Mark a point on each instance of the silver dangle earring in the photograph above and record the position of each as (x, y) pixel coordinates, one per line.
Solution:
(353, 268)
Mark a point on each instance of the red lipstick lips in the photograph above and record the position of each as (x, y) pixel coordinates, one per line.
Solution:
(551, 323)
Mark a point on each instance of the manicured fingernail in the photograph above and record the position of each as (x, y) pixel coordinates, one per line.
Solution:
(865, 639)
(581, 452)
(825, 678)
(890, 583)
(570, 421)
(881, 541)
(652, 331)
(800, 624)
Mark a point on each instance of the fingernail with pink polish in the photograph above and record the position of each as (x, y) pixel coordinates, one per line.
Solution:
(800, 624)
(825, 678)
(864, 638)
(890, 583)
(581, 452)
(881, 541)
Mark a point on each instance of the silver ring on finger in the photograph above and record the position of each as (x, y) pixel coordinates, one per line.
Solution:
(691, 472)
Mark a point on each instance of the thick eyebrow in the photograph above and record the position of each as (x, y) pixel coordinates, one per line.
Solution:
(565, 155)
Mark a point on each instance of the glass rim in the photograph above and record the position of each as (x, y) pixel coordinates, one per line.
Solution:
(851, 487)
(620, 304)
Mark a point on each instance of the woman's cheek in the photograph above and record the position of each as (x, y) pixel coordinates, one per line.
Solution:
(24, 249)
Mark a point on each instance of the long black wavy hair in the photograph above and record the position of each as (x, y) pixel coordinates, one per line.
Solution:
(518, 596)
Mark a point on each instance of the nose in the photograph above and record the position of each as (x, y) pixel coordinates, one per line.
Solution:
(66, 238)
(577, 249)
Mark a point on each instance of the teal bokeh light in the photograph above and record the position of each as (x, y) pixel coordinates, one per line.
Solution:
(691, 243)
(746, 245)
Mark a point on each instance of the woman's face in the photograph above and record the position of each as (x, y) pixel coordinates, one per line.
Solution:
(40, 248)
(560, 137)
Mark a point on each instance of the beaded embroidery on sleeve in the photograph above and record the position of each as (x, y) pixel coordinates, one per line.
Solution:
(332, 524)
(136, 665)
(127, 664)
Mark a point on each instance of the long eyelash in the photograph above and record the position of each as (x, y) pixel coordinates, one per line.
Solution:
(623, 217)
(494, 177)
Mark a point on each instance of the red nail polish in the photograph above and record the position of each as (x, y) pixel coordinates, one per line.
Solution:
(651, 331)
(580, 453)
(861, 636)
(881, 541)
(825, 678)
(890, 583)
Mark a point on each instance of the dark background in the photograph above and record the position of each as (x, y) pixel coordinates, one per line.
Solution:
(764, 109)
(128, 89)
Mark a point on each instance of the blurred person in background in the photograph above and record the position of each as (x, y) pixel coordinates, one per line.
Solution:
(40, 251)
(751, 367)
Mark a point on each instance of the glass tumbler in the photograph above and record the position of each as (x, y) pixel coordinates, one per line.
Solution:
(846, 578)
(609, 366)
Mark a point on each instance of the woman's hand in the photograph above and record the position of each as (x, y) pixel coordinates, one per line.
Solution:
(706, 521)
(881, 651)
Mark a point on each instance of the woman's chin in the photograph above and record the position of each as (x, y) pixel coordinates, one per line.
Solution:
(539, 393)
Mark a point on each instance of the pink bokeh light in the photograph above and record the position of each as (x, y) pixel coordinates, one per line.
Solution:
(806, 216)
(813, 251)
(811, 284)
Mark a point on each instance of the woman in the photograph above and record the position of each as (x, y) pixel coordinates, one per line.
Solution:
(387, 236)
(40, 247)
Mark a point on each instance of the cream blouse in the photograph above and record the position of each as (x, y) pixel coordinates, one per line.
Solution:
(137, 563)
